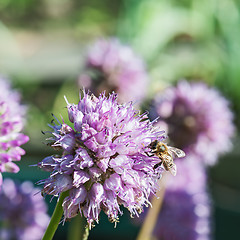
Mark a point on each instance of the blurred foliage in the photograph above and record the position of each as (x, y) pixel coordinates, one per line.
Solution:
(42, 46)
(44, 12)
(196, 40)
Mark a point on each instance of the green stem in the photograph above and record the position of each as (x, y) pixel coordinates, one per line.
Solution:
(86, 233)
(56, 217)
(76, 228)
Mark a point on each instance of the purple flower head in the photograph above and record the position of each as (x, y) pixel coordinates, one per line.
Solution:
(186, 210)
(11, 125)
(111, 66)
(198, 119)
(103, 161)
(23, 213)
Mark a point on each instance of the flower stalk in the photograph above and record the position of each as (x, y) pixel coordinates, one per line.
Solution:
(86, 233)
(56, 217)
(152, 214)
(76, 228)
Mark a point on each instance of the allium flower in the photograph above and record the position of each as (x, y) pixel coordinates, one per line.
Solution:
(186, 210)
(11, 125)
(104, 163)
(22, 212)
(198, 118)
(111, 66)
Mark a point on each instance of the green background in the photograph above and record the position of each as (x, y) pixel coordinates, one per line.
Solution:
(42, 47)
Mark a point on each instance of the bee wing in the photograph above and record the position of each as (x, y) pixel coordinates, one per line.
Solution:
(178, 152)
(173, 169)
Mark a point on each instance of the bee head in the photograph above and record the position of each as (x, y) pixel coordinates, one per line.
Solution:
(153, 145)
(162, 147)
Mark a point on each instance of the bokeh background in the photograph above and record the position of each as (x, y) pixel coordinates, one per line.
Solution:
(42, 49)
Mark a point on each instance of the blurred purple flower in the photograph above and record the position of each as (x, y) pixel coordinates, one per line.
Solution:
(186, 209)
(11, 125)
(104, 162)
(112, 66)
(22, 212)
(197, 118)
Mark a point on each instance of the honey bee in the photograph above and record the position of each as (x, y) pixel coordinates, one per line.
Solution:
(165, 153)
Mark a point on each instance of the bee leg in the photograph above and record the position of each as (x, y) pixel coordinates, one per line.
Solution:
(157, 165)
(149, 155)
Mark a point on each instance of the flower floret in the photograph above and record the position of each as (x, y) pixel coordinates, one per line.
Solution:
(11, 124)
